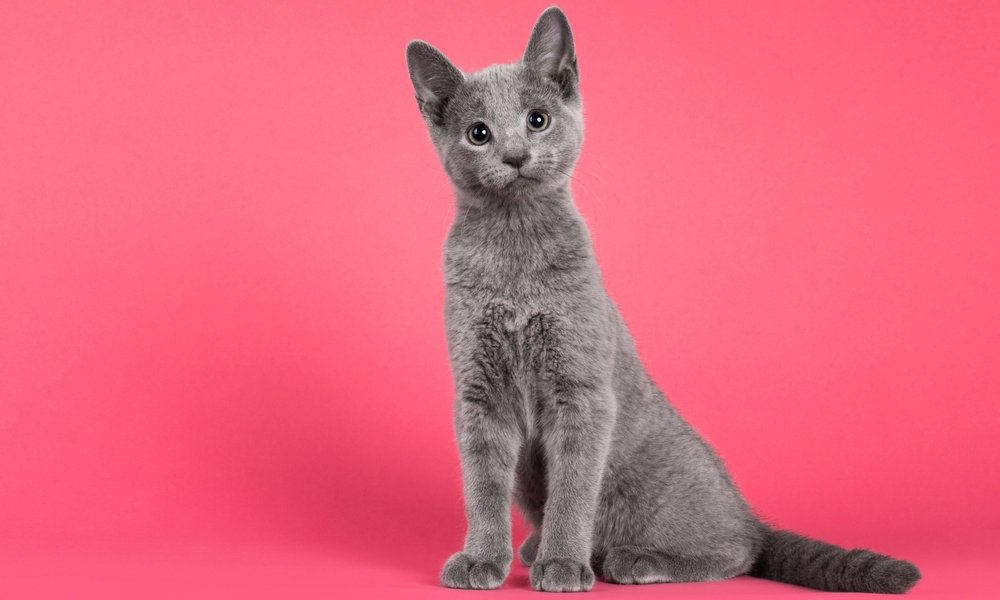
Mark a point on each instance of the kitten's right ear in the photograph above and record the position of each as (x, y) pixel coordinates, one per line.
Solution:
(434, 79)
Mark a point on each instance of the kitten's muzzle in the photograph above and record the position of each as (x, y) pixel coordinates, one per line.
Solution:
(515, 160)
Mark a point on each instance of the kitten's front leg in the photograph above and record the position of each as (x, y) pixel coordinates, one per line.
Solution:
(573, 365)
(488, 445)
(576, 445)
(489, 441)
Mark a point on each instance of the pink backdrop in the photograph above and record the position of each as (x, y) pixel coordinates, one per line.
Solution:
(222, 358)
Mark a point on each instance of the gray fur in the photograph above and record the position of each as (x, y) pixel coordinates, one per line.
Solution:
(552, 405)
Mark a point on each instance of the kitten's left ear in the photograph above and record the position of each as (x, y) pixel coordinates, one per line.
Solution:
(551, 52)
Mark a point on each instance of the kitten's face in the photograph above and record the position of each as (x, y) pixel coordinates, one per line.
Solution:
(508, 131)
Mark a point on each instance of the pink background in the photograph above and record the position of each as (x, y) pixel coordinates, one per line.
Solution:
(222, 358)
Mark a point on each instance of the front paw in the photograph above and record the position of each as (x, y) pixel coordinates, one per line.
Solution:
(561, 575)
(468, 573)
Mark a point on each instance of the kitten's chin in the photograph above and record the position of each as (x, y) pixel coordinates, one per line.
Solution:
(521, 188)
(516, 187)
(522, 182)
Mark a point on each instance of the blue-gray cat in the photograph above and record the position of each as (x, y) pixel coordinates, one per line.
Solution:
(552, 405)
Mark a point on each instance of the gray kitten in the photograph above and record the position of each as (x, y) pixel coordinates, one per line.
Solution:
(552, 405)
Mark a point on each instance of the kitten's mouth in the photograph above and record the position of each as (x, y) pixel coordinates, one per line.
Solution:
(521, 177)
(519, 184)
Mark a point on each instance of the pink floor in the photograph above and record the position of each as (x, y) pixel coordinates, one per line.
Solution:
(265, 571)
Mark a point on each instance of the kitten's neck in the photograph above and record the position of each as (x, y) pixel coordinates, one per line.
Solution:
(542, 211)
(500, 242)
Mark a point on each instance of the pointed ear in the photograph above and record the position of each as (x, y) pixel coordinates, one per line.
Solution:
(434, 78)
(550, 50)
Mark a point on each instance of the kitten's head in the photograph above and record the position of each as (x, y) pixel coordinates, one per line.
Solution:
(509, 131)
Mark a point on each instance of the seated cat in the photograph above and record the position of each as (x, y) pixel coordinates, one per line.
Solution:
(552, 404)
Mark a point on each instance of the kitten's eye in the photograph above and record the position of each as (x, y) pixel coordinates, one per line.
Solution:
(538, 120)
(478, 134)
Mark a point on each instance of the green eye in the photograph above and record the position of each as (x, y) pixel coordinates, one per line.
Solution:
(478, 134)
(538, 120)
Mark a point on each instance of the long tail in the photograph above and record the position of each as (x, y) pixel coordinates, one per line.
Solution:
(796, 559)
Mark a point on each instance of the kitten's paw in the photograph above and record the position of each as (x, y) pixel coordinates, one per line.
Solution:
(469, 573)
(529, 549)
(561, 575)
(628, 565)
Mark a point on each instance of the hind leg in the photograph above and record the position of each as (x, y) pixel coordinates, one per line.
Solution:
(633, 564)
(529, 548)
(530, 494)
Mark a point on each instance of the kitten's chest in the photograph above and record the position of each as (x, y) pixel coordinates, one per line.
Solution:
(530, 274)
(490, 265)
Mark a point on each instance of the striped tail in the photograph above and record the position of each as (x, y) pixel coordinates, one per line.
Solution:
(792, 558)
